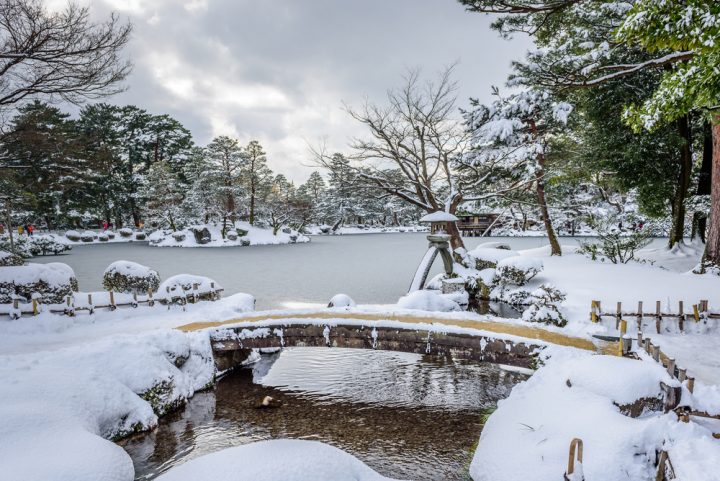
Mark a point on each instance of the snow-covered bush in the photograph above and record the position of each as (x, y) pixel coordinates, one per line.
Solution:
(241, 232)
(341, 300)
(73, 235)
(427, 301)
(480, 283)
(495, 245)
(485, 258)
(140, 235)
(103, 237)
(614, 244)
(88, 236)
(183, 284)
(517, 270)
(8, 259)
(231, 235)
(178, 236)
(130, 277)
(110, 234)
(47, 245)
(244, 242)
(544, 306)
(125, 232)
(51, 283)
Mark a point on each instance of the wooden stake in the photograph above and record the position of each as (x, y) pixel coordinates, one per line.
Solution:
(690, 383)
(658, 316)
(639, 340)
(618, 315)
(112, 300)
(593, 311)
(151, 302)
(648, 345)
(671, 367)
(621, 344)
(696, 313)
(656, 353)
(35, 307)
(640, 315)
(681, 316)
(90, 304)
(682, 374)
(575, 443)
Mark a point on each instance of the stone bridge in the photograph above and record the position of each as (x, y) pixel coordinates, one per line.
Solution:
(439, 335)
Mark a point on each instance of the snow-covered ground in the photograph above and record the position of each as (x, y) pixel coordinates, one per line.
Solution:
(73, 383)
(364, 229)
(254, 236)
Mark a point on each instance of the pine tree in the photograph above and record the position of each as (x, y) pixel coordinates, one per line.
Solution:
(162, 194)
(257, 178)
(226, 161)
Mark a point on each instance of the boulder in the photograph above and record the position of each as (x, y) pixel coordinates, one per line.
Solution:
(241, 232)
(233, 236)
(88, 236)
(202, 236)
(341, 300)
(178, 236)
(140, 236)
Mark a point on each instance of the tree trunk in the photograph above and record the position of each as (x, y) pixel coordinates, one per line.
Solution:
(712, 246)
(252, 203)
(677, 229)
(455, 236)
(540, 190)
(704, 179)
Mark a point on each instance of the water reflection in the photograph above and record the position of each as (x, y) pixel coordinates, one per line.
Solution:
(406, 416)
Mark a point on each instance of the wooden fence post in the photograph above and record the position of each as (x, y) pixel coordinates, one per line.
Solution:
(621, 343)
(134, 302)
(593, 311)
(575, 444)
(681, 314)
(671, 367)
(151, 302)
(640, 315)
(682, 374)
(91, 308)
(112, 300)
(696, 313)
(690, 383)
(35, 306)
(656, 353)
(658, 316)
(618, 315)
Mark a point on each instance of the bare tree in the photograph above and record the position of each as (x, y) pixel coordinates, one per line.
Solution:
(58, 55)
(412, 143)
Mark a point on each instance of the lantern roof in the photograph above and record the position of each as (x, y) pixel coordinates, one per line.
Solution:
(439, 216)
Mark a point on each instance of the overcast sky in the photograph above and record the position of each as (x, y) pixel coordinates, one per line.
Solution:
(279, 70)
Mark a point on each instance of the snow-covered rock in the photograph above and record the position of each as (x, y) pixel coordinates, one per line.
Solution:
(73, 235)
(495, 245)
(341, 300)
(125, 232)
(425, 300)
(51, 282)
(88, 236)
(130, 277)
(281, 459)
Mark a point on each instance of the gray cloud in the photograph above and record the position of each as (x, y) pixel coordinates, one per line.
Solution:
(279, 70)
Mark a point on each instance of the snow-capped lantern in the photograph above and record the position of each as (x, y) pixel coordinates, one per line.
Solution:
(439, 221)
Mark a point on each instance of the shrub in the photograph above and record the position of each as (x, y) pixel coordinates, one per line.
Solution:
(21, 246)
(613, 244)
(485, 257)
(7, 259)
(231, 235)
(518, 270)
(73, 235)
(88, 236)
(130, 277)
(51, 282)
(140, 236)
(125, 232)
(182, 284)
(103, 238)
(47, 245)
(241, 232)
(178, 236)
(544, 306)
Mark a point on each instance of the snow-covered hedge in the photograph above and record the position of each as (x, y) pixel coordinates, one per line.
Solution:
(47, 245)
(88, 236)
(73, 235)
(543, 307)
(9, 259)
(485, 257)
(183, 284)
(53, 282)
(518, 270)
(130, 277)
(125, 232)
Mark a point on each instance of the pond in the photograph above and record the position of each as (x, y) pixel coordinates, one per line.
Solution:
(407, 416)
(370, 268)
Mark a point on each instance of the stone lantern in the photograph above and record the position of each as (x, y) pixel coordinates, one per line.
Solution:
(439, 243)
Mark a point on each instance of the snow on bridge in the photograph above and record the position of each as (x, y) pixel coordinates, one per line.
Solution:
(440, 335)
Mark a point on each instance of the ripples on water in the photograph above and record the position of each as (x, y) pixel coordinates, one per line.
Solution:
(407, 416)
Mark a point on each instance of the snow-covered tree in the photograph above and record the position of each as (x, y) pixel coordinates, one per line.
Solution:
(225, 163)
(162, 194)
(511, 141)
(257, 178)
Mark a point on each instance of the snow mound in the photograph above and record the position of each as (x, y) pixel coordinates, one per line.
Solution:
(427, 301)
(282, 459)
(341, 300)
(491, 254)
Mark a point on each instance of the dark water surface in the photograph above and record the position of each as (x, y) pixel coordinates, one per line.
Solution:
(406, 416)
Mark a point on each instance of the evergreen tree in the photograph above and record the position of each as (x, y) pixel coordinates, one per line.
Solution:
(226, 162)
(162, 194)
(257, 178)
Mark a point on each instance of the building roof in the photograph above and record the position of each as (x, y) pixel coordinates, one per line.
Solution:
(439, 216)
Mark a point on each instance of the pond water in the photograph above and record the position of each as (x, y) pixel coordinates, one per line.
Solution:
(370, 268)
(407, 416)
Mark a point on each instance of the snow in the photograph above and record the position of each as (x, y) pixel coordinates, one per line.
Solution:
(341, 300)
(573, 396)
(439, 216)
(525, 264)
(491, 254)
(282, 459)
(423, 268)
(60, 406)
(427, 301)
